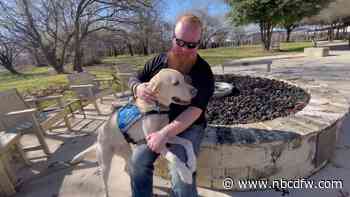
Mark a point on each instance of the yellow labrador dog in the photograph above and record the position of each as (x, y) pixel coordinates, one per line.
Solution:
(169, 87)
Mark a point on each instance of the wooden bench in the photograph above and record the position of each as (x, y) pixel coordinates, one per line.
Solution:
(88, 88)
(122, 72)
(17, 115)
(268, 63)
(8, 180)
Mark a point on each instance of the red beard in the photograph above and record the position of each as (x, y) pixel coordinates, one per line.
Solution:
(181, 61)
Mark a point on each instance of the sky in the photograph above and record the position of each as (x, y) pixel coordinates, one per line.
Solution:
(177, 7)
(173, 8)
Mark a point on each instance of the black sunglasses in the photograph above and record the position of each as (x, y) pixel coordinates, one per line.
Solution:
(189, 45)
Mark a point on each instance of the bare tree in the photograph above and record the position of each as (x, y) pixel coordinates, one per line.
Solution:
(40, 27)
(48, 27)
(213, 27)
(8, 53)
(121, 42)
(149, 34)
(94, 15)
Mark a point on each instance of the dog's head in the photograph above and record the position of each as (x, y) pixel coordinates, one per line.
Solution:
(170, 86)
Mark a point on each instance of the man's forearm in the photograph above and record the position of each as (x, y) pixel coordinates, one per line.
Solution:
(133, 82)
(182, 122)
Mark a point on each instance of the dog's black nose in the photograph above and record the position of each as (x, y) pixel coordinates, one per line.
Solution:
(194, 91)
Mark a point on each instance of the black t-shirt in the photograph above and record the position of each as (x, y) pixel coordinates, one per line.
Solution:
(202, 79)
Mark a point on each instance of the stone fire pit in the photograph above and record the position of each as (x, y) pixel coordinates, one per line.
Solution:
(267, 128)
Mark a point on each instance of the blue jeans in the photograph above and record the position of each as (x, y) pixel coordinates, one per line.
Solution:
(141, 169)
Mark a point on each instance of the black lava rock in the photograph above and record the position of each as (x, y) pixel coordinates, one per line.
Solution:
(255, 99)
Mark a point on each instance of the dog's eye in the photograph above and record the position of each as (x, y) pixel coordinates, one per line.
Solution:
(175, 83)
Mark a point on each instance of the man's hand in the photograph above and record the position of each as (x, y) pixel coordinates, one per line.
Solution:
(156, 141)
(143, 92)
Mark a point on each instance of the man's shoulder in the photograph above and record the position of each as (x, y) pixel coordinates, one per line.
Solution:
(157, 60)
(202, 61)
(203, 65)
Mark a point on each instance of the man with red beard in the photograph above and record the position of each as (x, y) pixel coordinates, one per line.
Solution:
(185, 121)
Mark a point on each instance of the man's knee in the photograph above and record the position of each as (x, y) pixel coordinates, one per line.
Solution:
(141, 162)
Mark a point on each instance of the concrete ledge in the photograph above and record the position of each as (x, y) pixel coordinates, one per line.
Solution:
(316, 52)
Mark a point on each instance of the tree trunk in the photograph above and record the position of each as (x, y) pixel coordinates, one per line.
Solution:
(114, 51)
(289, 30)
(77, 58)
(337, 34)
(77, 64)
(51, 57)
(11, 69)
(145, 51)
(266, 33)
(7, 63)
(145, 47)
(331, 33)
(77, 50)
(63, 57)
(131, 51)
(35, 55)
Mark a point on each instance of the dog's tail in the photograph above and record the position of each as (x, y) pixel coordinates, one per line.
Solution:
(79, 157)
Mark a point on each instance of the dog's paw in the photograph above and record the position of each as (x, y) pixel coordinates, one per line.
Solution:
(98, 171)
(184, 172)
(191, 161)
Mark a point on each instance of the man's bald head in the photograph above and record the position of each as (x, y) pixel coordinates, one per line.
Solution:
(190, 20)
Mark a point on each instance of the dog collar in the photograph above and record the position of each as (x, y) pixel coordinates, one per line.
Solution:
(156, 111)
